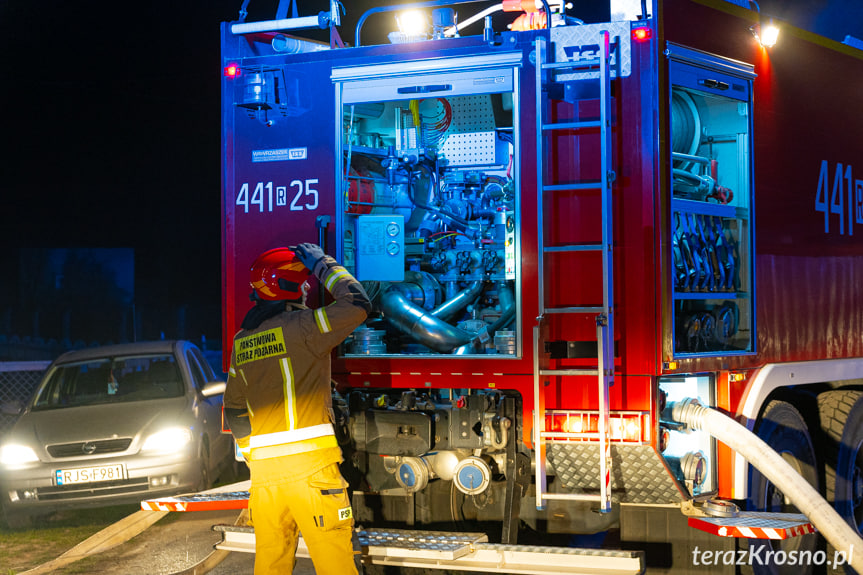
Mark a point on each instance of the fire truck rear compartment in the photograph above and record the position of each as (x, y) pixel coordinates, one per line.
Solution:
(430, 215)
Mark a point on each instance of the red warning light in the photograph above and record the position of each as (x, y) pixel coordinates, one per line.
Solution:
(232, 71)
(642, 34)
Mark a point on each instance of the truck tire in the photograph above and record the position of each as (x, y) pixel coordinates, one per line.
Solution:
(841, 415)
(783, 428)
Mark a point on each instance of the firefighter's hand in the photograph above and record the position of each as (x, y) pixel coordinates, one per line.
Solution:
(309, 254)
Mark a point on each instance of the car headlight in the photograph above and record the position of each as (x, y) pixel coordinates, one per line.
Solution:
(168, 440)
(12, 454)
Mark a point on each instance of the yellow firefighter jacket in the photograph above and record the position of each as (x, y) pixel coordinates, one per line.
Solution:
(278, 399)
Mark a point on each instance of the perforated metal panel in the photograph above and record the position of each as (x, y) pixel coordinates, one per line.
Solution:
(469, 149)
(471, 114)
(470, 139)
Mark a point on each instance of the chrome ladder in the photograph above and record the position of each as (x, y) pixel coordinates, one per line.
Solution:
(600, 71)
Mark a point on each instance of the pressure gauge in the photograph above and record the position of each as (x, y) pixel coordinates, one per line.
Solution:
(393, 248)
(393, 229)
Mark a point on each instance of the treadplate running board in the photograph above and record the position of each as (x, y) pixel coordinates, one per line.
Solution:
(463, 551)
(755, 525)
(439, 545)
(233, 496)
(199, 502)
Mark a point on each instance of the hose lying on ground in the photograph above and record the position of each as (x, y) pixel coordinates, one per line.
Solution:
(805, 497)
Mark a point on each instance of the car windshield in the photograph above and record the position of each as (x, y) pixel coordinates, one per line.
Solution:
(110, 380)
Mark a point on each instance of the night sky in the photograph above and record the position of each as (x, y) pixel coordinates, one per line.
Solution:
(111, 130)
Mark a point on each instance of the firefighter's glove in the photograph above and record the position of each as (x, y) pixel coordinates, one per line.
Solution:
(309, 254)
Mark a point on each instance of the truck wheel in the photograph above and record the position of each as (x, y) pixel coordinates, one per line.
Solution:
(842, 423)
(783, 428)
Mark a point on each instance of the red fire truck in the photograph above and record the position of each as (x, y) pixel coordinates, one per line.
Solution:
(581, 238)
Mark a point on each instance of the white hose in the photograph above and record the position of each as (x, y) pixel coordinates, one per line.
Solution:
(805, 497)
(452, 31)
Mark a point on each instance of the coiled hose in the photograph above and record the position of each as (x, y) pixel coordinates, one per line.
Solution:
(805, 497)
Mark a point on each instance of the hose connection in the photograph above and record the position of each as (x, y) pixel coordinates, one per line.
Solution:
(688, 411)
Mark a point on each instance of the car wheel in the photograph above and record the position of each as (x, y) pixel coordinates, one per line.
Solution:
(204, 482)
(783, 428)
(842, 423)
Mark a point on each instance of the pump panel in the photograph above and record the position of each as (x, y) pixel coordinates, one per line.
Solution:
(429, 203)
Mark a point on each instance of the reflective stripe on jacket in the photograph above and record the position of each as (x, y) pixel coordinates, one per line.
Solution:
(280, 371)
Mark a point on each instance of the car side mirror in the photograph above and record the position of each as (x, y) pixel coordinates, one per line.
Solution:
(12, 408)
(213, 388)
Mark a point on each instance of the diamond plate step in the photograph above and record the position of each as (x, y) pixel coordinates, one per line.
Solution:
(419, 544)
(463, 551)
(755, 525)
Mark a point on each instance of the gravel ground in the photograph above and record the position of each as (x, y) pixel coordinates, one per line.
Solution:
(173, 544)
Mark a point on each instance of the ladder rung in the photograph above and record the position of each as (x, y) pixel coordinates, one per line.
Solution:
(572, 496)
(572, 125)
(569, 372)
(569, 435)
(574, 186)
(575, 309)
(574, 248)
(587, 64)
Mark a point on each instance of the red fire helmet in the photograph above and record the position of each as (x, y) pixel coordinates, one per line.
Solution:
(278, 274)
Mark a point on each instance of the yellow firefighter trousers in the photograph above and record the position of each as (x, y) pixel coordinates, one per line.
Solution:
(317, 506)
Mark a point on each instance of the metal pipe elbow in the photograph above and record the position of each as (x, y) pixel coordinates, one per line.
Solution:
(455, 304)
(421, 325)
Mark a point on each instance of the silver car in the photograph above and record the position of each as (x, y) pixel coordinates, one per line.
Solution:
(114, 425)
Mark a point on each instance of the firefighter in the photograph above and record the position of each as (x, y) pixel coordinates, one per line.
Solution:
(278, 403)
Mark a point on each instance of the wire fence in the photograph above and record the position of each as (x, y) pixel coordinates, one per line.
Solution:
(18, 380)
